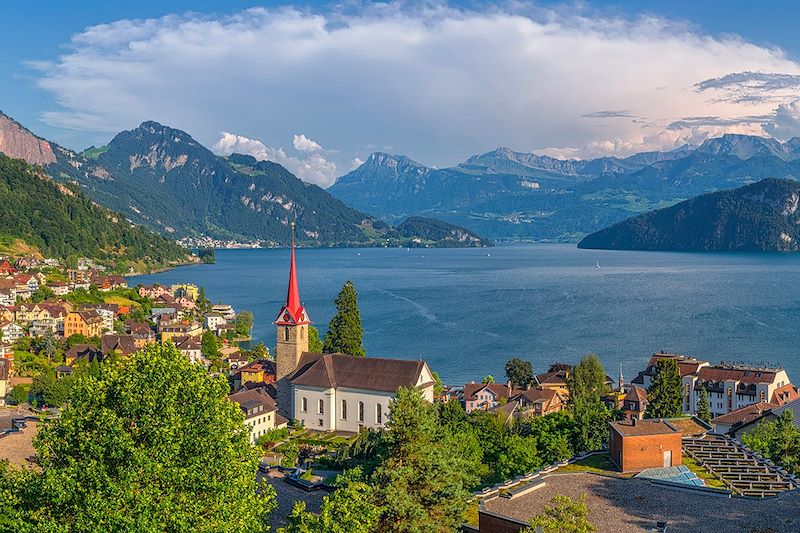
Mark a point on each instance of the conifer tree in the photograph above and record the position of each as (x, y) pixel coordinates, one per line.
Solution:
(345, 331)
(664, 395)
(703, 407)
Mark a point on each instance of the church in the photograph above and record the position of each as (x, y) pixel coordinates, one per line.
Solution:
(335, 392)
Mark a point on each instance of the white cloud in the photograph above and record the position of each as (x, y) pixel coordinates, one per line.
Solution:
(302, 143)
(786, 123)
(435, 82)
(313, 167)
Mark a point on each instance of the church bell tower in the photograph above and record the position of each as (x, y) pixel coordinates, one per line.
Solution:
(292, 329)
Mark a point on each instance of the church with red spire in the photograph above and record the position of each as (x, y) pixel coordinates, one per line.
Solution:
(334, 392)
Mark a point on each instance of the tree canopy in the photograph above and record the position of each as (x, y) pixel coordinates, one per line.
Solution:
(779, 441)
(664, 397)
(345, 331)
(587, 381)
(704, 407)
(151, 444)
(519, 372)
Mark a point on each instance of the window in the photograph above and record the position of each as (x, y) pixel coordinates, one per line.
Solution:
(321, 407)
(762, 396)
(360, 411)
(320, 422)
(344, 410)
(378, 414)
(302, 334)
(304, 405)
(286, 333)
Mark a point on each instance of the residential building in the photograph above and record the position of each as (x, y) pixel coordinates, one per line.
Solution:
(225, 310)
(11, 331)
(85, 352)
(556, 379)
(185, 289)
(335, 392)
(40, 328)
(59, 288)
(8, 296)
(484, 396)
(214, 320)
(153, 291)
(634, 404)
(5, 377)
(84, 322)
(259, 371)
(731, 423)
(142, 333)
(537, 402)
(638, 444)
(260, 412)
(120, 344)
(191, 347)
(108, 312)
(179, 329)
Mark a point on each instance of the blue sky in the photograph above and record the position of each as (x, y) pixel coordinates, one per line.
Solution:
(318, 86)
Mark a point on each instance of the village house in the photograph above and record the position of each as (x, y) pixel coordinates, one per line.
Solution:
(11, 331)
(213, 321)
(225, 310)
(86, 323)
(124, 345)
(733, 423)
(191, 347)
(59, 288)
(188, 290)
(335, 392)
(235, 361)
(85, 352)
(26, 283)
(108, 312)
(484, 396)
(8, 295)
(260, 412)
(258, 371)
(153, 291)
(7, 313)
(634, 404)
(537, 402)
(556, 379)
(167, 330)
(142, 333)
(6, 268)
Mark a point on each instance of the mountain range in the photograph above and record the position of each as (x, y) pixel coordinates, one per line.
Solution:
(505, 194)
(162, 178)
(761, 216)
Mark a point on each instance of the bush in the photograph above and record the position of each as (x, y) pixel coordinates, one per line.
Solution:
(18, 394)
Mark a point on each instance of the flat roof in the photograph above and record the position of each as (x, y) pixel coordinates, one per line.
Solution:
(633, 505)
(644, 427)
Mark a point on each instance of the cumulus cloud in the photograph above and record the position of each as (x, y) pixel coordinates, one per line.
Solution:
(786, 122)
(435, 82)
(311, 167)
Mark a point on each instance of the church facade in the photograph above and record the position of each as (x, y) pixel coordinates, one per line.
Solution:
(335, 392)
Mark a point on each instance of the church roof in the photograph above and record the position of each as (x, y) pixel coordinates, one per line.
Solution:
(366, 373)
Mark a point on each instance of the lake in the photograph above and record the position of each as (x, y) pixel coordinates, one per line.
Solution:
(467, 311)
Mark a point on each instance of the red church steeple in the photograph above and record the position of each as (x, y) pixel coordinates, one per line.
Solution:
(293, 312)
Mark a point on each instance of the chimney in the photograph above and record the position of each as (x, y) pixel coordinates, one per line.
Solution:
(509, 384)
(633, 421)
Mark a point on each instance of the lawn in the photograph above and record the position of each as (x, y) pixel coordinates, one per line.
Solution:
(708, 478)
(598, 464)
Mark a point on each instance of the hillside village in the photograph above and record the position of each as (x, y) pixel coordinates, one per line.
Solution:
(309, 413)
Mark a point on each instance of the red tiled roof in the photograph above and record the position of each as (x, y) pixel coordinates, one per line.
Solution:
(368, 373)
(498, 389)
(744, 415)
(636, 394)
(785, 394)
(716, 373)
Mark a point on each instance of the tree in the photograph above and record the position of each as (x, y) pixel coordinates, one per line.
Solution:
(203, 304)
(260, 351)
(438, 386)
(314, 342)
(152, 444)
(552, 434)
(587, 381)
(779, 441)
(50, 390)
(488, 379)
(243, 323)
(664, 397)
(18, 395)
(564, 515)
(209, 344)
(703, 407)
(590, 431)
(350, 509)
(42, 293)
(519, 372)
(49, 345)
(345, 331)
(423, 484)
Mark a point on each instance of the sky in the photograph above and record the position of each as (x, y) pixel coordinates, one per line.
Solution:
(319, 86)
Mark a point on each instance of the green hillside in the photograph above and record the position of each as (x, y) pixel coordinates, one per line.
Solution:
(60, 221)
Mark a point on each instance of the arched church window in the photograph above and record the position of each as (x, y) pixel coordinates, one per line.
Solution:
(286, 333)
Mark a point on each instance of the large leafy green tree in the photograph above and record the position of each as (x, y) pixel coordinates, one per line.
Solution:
(519, 372)
(345, 331)
(704, 407)
(152, 444)
(778, 440)
(209, 344)
(314, 342)
(587, 381)
(664, 397)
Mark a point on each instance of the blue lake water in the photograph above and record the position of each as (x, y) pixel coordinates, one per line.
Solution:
(467, 311)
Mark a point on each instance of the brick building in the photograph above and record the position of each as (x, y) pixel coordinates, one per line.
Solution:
(638, 444)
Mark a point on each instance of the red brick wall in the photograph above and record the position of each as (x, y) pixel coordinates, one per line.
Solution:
(647, 451)
(488, 523)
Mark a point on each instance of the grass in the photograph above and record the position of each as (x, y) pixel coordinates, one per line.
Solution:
(708, 478)
(598, 464)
